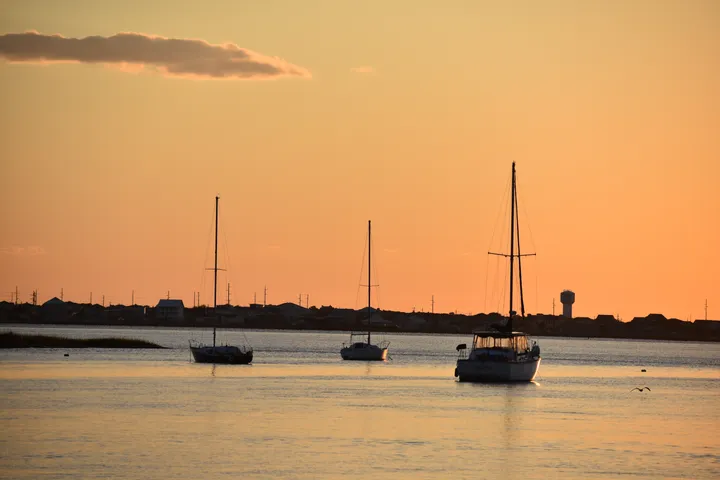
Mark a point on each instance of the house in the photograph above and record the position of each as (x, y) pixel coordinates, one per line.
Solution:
(55, 310)
(170, 310)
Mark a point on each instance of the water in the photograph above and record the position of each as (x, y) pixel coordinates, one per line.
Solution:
(301, 412)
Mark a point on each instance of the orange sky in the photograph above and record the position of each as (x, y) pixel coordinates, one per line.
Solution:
(410, 115)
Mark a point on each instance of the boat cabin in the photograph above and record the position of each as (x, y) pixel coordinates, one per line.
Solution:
(498, 345)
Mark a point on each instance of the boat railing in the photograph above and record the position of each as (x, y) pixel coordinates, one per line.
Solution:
(382, 345)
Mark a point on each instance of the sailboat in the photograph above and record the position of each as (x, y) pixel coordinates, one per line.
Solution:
(502, 355)
(359, 348)
(225, 354)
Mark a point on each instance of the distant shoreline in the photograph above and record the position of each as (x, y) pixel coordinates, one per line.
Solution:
(21, 340)
(293, 317)
(646, 338)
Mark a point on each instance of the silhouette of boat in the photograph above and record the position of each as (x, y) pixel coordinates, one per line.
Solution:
(502, 355)
(225, 354)
(364, 349)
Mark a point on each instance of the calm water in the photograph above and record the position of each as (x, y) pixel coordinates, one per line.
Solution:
(301, 412)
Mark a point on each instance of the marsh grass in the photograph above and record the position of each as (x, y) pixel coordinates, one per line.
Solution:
(15, 340)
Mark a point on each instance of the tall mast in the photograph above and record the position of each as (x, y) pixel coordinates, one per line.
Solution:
(512, 244)
(369, 283)
(215, 270)
(517, 228)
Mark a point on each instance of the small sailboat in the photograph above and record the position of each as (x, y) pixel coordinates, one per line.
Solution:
(502, 355)
(360, 346)
(225, 354)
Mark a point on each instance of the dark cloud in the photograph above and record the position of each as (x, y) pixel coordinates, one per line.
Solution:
(172, 56)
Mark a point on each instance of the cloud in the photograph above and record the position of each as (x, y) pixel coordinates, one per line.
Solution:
(32, 250)
(365, 69)
(179, 57)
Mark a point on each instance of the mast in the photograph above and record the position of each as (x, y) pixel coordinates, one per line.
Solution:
(369, 283)
(512, 244)
(215, 269)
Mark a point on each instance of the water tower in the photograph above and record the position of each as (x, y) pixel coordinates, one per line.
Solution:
(567, 298)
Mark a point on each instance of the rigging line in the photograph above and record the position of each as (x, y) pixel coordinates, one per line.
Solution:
(501, 212)
(517, 231)
(504, 238)
(487, 274)
(504, 290)
(527, 222)
(528, 225)
(207, 250)
(362, 266)
(377, 276)
(227, 255)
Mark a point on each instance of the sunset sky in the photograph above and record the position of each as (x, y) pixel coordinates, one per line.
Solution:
(311, 117)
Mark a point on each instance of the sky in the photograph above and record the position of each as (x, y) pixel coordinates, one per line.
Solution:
(122, 120)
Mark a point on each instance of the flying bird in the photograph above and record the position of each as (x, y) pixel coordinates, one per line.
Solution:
(639, 389)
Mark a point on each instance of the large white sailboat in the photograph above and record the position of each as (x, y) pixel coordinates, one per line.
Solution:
(502, 355)
(360, 346)
(223, 354)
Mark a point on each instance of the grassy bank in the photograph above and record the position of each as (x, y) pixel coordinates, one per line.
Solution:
(15, 340)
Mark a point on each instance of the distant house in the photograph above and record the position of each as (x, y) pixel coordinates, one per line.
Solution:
(291, 310)
(712, 325)
(376, 320)
(651, 318)
(415, 322)
(54, 302)
(170, 309)
(55, 310)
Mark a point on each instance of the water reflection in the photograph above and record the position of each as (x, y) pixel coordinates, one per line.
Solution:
(130, 414)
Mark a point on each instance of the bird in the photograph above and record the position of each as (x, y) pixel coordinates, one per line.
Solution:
(640, 389)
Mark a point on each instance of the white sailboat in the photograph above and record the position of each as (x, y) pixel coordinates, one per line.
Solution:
(223, 354)
(502, 355)
(359, 348)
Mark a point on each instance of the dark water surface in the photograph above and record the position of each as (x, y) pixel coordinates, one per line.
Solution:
(301, 412)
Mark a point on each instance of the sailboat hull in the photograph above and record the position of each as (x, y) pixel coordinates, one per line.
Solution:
(223, 355)
(366, 352)
(496, 371)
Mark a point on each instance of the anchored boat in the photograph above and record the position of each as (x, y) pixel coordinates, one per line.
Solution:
(359, 348)
(502, 355)
(224, 354)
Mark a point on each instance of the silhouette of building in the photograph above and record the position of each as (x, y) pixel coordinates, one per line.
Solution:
(567, 298)
(169, 309)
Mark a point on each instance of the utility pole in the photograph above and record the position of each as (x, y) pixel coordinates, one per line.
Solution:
(34, 296)
(307, 300)
(300, 299)
(228, 294)
(198, 301)
(432, 303)
(553, 307)
(706, 309)
(103, 304)
(16, 295)
(265, 297)
(168, 295)
(61, 294)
